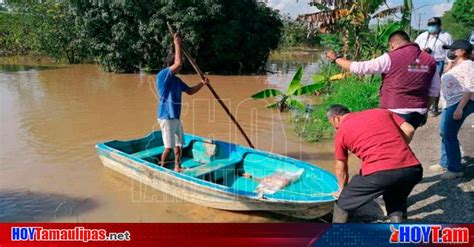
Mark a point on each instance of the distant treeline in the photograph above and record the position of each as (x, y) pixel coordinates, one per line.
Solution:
(295, 33)
(226, 37)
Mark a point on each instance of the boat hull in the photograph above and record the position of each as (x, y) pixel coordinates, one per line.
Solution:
(166, 181)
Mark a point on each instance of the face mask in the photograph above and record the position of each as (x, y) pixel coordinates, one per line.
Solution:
(433, 29)
(451, 55)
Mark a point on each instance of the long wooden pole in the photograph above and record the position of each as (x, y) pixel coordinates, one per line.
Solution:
(199, 72)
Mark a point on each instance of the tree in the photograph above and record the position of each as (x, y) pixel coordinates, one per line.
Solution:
(46, 26)
(349, 20)
(459, 21)
(57, 32)
(294, 34)
(227, 37)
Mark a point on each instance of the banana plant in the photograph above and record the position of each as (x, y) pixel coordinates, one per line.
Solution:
(296, 88)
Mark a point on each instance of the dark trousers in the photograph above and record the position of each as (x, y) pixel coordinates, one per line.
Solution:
(394, 185)
(415, 119)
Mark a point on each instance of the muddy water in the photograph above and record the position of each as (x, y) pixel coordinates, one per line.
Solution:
(52, 116)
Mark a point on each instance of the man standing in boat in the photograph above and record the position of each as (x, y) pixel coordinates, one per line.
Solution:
(410, 83)
(380, 139)
(170, 88)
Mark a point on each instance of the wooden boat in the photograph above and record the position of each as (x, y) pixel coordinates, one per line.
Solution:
(213, 175)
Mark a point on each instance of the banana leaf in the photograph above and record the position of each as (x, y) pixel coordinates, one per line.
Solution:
(296, 104)
(318, 78)
(383, 37)
(308, 89)
(266, 93)
(295, 82)
(272, 105)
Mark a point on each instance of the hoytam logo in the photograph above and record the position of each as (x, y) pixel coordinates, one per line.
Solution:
(74, 234)
(429, 234)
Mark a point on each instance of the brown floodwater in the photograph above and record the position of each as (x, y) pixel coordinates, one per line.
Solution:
(52, 116)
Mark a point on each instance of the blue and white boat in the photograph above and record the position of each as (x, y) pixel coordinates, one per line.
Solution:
(213, 175)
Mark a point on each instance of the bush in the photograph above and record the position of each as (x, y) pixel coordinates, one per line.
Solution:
(355, 93)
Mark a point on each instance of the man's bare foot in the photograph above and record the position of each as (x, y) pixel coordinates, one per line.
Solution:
(179, 169)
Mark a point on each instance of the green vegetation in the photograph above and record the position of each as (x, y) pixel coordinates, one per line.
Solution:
(124, 36)
(459, 21)
(295, 88)
(358, 94)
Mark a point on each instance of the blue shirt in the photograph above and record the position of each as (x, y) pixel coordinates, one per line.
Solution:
(170, 88)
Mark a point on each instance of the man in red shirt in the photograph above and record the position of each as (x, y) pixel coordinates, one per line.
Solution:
(380, 139)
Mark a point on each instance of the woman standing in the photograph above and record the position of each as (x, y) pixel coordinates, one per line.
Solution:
(457, 86)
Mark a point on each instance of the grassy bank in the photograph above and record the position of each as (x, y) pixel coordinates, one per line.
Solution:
(354, 92)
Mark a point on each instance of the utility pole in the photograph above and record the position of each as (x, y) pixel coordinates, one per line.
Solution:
(419, 21)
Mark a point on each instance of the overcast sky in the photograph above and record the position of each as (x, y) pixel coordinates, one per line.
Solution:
(427, 8)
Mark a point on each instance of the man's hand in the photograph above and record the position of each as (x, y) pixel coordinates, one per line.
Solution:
(205, 81)
(457, 114)
(331, 55)
(337, 194)
(177, 39)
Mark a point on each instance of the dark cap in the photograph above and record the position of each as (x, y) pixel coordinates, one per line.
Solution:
(434, 21)
(459, 44)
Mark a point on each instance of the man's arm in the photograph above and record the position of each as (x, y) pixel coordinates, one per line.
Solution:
(408, 131)
(197, 87)
(342, 175)
(377, 65)
(177, 55)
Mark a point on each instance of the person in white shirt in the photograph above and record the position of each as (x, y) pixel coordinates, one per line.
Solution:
(432, 42)
(458, 90)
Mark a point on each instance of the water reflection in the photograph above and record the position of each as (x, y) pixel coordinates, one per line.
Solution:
(22, 67)
(283, 64)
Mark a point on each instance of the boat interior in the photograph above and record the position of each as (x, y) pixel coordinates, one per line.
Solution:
(223, 163)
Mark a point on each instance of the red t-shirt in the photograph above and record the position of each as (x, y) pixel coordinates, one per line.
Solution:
(374, 136)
